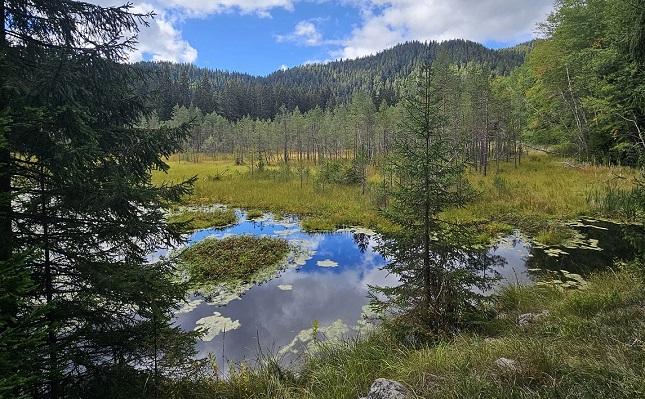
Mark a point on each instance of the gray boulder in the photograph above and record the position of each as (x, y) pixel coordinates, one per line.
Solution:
(524, 320)
(387, 389)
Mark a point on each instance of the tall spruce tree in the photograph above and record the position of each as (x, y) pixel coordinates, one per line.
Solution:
(78, 213)
(439, 266)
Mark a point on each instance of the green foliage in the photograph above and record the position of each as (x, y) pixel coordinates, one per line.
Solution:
(76, 197)
(336, 172)
(309, 87)
(233, 258)
(583, 79)
(437, 262)
(254, 214)
(627, 154)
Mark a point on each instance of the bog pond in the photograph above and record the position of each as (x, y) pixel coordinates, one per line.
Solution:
(321, 294)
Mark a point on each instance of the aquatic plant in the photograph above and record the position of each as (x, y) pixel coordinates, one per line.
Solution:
(233, 258)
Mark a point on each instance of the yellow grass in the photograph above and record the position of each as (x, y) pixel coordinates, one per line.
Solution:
(542, 187)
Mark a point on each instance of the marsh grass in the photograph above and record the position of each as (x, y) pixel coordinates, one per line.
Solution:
(276, 190)
(205, 219)
(533, 196)
(589, 346)
(236, 258)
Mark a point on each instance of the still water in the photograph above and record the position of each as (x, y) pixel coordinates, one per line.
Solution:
(326, 285)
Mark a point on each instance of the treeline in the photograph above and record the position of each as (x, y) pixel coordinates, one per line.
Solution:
(481, 110)
(578, 91)
(235, 95)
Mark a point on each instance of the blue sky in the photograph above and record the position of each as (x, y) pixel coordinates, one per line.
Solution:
(262, 36)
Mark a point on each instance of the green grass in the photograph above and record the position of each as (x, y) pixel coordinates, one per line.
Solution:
(254, 214)
(236, 258)
(586, 347)
(534, 196)
(196, 220)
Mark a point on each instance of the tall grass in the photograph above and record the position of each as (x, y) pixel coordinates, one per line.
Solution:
(541, 189)
(618, 202)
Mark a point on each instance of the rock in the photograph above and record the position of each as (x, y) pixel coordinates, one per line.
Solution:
(525, 319)
(387, 389)
(509, 365)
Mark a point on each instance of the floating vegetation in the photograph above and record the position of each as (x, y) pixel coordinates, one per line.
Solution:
(222, 291)
(216, 324)
(307, 339)
(189, 306)
(555, 252)
(217, 217)
(233, 258)
(358, 230)
(254, 214)
(562, 279)
(327, 263)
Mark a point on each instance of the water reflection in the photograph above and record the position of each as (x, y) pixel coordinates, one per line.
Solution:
(598, 245)
(330, 286)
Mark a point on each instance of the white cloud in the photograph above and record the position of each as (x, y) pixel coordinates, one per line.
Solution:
(201, 8)
(304, 33)
(161, 41)
(388, 22)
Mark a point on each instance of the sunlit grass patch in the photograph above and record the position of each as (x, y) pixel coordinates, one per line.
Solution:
(542, 185)
(204, 219)
(540, 190)
(236, 258)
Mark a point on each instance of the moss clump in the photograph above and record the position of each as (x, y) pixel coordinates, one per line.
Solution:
(233, 258)
(254, 214)
(196, 220)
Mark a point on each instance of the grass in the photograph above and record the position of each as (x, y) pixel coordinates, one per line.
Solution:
(588, 346)
(197, 220)
(275, 190)
(236, 258)
(534, 196)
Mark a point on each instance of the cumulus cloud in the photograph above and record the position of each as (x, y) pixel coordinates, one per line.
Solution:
(304, 33)
(161, 41)
(388, 22)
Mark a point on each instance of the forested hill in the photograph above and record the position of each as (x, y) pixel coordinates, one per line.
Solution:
(234, 95)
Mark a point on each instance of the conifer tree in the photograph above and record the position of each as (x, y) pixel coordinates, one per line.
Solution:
(437, 262)
(78, 213)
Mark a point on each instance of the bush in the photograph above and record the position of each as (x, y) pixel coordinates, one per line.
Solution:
(336, 172)
(626, 154)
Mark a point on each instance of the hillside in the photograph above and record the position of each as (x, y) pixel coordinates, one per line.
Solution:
(234, 95)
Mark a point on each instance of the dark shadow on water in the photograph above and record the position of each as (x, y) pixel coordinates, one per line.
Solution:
(601, 245)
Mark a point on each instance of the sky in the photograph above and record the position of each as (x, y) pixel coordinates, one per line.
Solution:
(259, 37)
